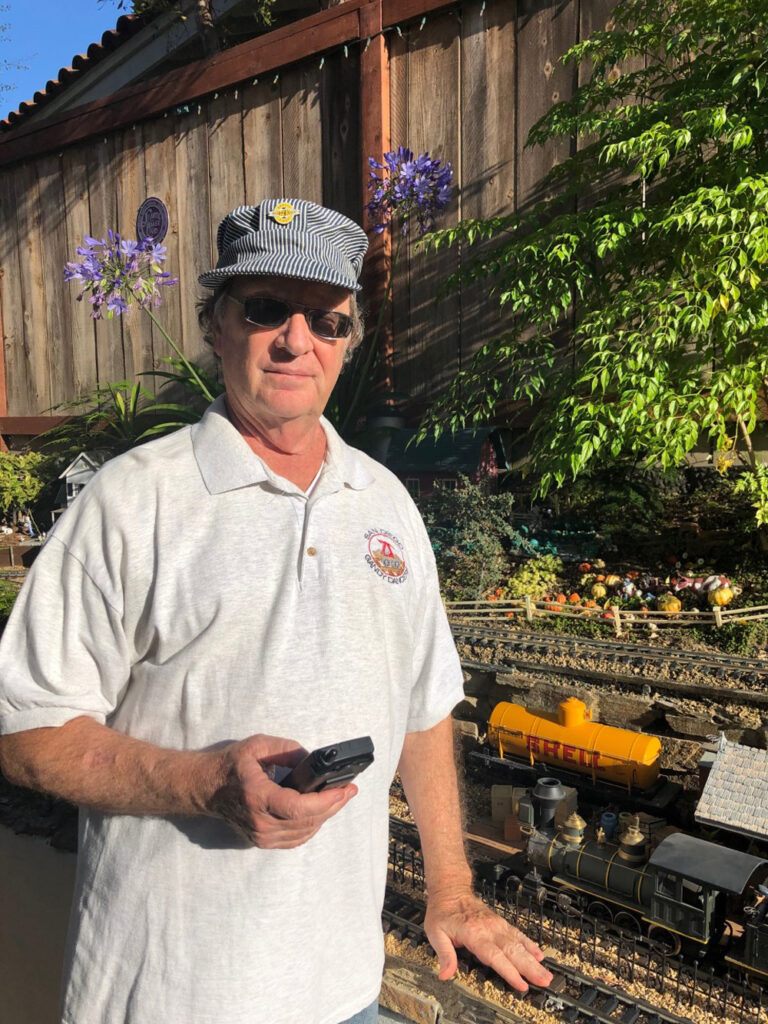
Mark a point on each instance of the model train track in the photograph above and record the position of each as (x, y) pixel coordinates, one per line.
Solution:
(739, 678)
(570, 996)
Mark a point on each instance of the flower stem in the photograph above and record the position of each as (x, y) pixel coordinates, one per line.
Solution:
(189, 367)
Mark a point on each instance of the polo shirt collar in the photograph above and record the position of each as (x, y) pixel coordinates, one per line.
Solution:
(226, 462)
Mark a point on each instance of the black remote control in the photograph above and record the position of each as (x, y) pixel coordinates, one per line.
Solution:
(331, 766)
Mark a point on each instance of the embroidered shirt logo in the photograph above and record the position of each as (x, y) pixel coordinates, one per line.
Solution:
(284, 213)
(385, 556)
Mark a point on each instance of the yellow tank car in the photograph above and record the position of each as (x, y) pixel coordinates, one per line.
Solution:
(571, 740)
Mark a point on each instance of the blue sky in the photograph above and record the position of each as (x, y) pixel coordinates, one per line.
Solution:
(44, 35)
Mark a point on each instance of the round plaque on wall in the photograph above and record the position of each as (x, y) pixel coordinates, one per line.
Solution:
(152, 220)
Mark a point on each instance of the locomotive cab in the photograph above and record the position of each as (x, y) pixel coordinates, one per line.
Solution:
(693, 879)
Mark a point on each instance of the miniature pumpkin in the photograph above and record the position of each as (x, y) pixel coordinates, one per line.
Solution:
(608, 614)
(721, 596)
(612, 580)
(598, 590)
(553, 606)
(599, 563)
(584, 567)
(561, 599)
(574, 599)
(590, 603)
(599, 577)
(669, 603)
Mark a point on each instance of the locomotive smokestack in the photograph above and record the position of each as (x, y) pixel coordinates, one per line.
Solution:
(547, 794)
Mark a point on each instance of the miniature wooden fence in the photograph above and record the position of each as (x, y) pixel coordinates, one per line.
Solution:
(295, 112)
(498, 613)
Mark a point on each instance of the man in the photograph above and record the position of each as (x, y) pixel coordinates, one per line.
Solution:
(243, 580)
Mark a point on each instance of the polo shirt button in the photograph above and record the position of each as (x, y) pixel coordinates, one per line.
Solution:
(311, 551)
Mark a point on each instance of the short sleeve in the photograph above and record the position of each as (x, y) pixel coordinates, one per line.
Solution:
(63, 652)
(438, 679)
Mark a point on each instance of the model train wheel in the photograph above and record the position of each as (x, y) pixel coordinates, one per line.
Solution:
(664, 941)
(628, 922)
(600, 910)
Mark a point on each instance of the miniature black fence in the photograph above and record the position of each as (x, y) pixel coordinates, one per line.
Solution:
(551, 922)
(554, 922)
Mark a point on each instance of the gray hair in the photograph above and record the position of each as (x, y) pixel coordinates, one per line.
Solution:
(209, 311)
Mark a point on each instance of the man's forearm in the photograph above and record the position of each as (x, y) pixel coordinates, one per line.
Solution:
(428, 772)
(90, 764)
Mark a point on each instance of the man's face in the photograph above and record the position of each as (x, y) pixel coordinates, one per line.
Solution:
(278, 374)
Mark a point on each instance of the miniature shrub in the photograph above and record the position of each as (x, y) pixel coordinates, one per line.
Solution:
(537, 577)
(8, 594)
(471, 534)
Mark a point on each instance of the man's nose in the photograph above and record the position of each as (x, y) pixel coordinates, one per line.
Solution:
(295, 336)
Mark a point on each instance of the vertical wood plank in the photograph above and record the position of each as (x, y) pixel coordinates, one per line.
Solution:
(18, 372)
(262, 142)
(30, 241)
(399, 56)
(488, 70)
(194, 223)
(225, 157)
(55, 298)
(544, 32)
(302, 133)
(77, 225)
(340, 134)
(131, 192)
(433, 127)
(160, 181)
(102, 181)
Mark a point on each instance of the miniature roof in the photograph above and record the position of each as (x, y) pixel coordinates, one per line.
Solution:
(718, 866)
(450, 453)
(735, 795)
(95, 459)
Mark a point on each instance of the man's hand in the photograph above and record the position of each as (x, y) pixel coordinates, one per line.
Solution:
(462, 919)
(268, 815)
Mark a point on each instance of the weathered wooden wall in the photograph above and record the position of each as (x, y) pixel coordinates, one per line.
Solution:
(298, 136)
(466, 85)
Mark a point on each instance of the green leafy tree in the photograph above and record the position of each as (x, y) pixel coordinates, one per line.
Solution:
(22, 478)
(637, 289)
(203, 11)
(471, 533)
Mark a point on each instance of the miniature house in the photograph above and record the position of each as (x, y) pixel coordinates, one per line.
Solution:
(734, 796)
(76, 476)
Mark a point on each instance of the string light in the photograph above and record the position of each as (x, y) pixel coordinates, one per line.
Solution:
(423, 23)
(346, 50)
(399, 31)
(482, 8)
(367, 43)
(320, 65)
(255, 81)
(276, 79)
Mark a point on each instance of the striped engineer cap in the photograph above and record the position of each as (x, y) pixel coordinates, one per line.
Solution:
(289, 238)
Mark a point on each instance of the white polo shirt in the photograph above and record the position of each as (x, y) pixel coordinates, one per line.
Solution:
(191, 597)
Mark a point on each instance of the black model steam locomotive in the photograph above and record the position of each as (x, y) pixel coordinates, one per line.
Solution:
(683, 892)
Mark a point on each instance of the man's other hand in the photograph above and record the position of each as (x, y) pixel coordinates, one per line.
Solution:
(256, 807)
(460, 918)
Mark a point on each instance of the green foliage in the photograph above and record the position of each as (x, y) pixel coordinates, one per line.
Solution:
(122, 414)
(9, 591)
(22, 478)
(536, 577)
(470, 532)
(745, 639)
(638, 290)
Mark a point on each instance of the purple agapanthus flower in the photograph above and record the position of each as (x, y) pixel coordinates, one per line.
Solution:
(116, 272)
(415, 189)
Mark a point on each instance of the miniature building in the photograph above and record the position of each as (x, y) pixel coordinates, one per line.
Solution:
(76, 476)
(432, 463)
(735, 796)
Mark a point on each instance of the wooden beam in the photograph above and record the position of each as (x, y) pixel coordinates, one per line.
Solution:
(375, 142)
(3, 391)
(29, 426)
(320, 32)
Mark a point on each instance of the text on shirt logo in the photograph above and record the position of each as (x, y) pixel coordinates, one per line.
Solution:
(385, 556)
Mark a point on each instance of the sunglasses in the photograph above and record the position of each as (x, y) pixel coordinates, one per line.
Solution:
(264, 311)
